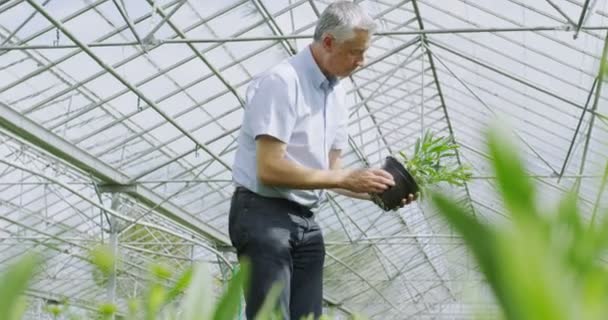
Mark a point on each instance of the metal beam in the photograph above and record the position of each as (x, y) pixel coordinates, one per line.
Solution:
(387, 76)
(77, 86)
(297, 36)
(360, 95)
(58, 237)
(532, 97)
(180, 88)
(524, 4)
(205, 61)
(540, 52)
(514, 78)
(8, 4)
(387, 54)
(69, 55)
(272, 24)
(506, 18)
(581, 18)
(538, 178)
(8, 38)
(118, 77)
(424, 41)
(494, 113)
(49, 28)
(127, 89)
(165, 97)
(578, 126)
(556, 7)
(353, 271)
(101, 206)
(76, 157)
(491, 93)
(168, 95)
(378, 76)
(390, 118)
(125, 17)
(107, 99)
(149, 37)
(598, 92)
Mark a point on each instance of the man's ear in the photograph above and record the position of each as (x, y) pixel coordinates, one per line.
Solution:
(328, 41)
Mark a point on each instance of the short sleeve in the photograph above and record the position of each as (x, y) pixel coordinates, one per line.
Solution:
(270, 109)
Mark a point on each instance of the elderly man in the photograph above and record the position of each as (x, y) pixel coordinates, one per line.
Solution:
(293, 132)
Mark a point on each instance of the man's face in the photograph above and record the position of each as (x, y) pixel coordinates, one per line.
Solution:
(345, 57)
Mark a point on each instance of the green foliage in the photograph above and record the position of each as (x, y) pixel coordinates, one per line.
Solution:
(229, 303)
(14, 282)
(102, 258)
(106, 310)
(433, 162)
(190, 297)
(542, 265)
(268, 310)
(54, 310)
(153, 240)
(191, 292)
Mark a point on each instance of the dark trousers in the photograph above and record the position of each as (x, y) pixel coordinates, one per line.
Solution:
(284, 245)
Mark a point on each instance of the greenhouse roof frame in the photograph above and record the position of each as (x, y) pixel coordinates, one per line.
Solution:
(142, 99)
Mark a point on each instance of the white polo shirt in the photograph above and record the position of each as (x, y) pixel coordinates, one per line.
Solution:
(295, 103)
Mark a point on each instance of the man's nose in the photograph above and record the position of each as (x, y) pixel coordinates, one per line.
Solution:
(360, 62)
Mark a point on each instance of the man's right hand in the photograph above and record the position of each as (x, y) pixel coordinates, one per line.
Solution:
(367, 180)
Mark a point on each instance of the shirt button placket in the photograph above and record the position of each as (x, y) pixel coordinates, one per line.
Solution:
(325, 96)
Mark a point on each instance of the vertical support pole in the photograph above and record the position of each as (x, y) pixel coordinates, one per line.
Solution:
(423, 48)
(111, 292)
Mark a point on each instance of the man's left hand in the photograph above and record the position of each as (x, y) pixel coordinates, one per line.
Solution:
(407, 200)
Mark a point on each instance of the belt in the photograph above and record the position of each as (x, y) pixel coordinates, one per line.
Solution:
(299, 209)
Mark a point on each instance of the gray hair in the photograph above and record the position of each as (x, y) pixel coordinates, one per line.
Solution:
(341, 19)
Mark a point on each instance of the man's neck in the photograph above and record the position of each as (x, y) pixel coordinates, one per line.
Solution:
(317, 53)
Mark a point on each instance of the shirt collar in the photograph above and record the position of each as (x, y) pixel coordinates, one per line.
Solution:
(314, 73)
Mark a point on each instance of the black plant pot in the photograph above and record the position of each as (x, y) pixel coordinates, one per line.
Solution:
(405, 184)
